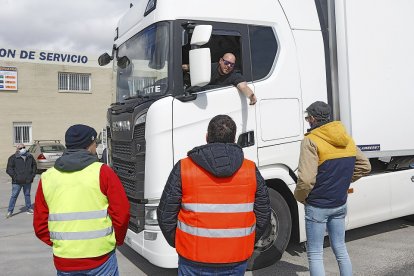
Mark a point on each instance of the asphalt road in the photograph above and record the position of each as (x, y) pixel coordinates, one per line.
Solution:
(383, 249)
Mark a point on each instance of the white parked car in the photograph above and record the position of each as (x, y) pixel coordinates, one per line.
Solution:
(46, 152)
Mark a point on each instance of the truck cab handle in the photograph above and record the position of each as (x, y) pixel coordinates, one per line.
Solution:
(246, 139)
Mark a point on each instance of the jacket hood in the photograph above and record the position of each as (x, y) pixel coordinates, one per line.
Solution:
(334, 133)
(28, 154)
(75, 160)
(219, 159)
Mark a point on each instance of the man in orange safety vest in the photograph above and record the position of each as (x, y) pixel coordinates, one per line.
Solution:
(215, 205)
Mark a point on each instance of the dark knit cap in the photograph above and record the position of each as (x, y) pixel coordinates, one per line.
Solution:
(320, 111)
(79, 137)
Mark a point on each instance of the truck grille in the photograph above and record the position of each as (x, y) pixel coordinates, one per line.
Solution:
(129, 164)
(122, 148)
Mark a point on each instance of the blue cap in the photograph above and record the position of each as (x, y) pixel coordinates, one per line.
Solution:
(79, 136)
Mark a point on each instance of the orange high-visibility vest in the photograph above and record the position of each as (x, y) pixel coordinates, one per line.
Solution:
(216, 223)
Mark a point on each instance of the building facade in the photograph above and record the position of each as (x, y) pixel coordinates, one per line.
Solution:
(42, 93)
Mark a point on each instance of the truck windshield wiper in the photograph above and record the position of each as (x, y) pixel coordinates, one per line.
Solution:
(138, 96)
(117, 103)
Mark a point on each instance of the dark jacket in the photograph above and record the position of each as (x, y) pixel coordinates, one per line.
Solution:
(233, 78)
(221, 160)
(22, 171)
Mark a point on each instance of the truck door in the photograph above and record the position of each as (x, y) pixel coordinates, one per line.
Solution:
(191, 118)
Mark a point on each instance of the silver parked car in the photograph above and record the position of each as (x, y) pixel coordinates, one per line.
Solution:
(45, 152)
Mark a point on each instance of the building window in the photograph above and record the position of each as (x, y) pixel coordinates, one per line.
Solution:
(22, 133)
(74, 82)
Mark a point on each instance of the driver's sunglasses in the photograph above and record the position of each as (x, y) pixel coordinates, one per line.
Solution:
(228, 63)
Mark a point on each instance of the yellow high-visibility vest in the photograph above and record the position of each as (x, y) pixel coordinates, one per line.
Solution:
(79, 224)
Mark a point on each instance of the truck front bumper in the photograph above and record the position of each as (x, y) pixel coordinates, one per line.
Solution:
(156, 249)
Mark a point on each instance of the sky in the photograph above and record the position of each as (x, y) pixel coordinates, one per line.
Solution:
(77, 26)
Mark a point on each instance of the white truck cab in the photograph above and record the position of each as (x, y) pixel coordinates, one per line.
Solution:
(355, 55)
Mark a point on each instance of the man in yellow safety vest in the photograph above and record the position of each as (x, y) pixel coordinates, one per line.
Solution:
(81, 209)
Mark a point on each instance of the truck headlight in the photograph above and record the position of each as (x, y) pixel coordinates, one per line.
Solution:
(151, 215)
(141, 119)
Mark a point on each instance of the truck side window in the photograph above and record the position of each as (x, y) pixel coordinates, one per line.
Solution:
(219, 44)
(263, 46)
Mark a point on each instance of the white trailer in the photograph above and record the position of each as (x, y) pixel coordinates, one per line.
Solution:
(355, 55)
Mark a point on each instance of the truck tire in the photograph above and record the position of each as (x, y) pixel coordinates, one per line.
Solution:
(274, 241)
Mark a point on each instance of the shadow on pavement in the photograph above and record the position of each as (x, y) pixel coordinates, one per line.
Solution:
(281, 268)
(295, 249)
(285, 268)
(378, 229)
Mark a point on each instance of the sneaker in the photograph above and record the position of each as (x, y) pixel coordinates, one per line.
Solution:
(9, 214)
(29, 211)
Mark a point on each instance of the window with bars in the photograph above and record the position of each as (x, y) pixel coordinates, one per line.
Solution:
(74, 82)
(22, 133)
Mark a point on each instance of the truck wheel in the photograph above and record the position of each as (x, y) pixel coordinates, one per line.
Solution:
(274, 241)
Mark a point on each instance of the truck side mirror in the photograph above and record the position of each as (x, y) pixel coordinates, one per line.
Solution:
(123, 62)
(104, 59)
(201, 35)
(200, 66)
(200, 58)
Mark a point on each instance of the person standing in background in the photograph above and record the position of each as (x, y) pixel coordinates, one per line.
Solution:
(21, 167)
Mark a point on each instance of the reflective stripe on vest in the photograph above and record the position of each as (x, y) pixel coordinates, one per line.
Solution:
(79, 224)
(218, 208)
(216, 223)
(216, 233)
(78, 215)
(81, 235)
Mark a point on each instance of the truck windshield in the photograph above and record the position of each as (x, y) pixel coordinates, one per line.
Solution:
(146, 72)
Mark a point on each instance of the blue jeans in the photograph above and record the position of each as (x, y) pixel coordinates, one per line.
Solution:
(186, 268)
(15, 193)
(108, 268)
(318, 220)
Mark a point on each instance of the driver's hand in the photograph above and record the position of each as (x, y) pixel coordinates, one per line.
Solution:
(253, 99)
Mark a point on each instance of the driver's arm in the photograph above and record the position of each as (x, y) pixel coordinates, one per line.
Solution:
(245, 89)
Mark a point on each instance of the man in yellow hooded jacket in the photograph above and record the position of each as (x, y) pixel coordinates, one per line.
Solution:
(329, 161)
